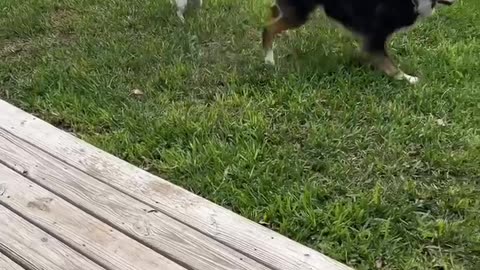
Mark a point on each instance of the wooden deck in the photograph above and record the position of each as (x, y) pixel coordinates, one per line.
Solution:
(65, 204)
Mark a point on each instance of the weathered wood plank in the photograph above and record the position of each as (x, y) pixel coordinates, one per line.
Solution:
(137, 219)
(96, 240)
(7, 264)
(209, 218)
(34, 248)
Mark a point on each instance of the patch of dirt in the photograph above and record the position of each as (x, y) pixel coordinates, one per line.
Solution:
(61, 17)
(19, 47)
(62, 124)
(62, 24)
(61, 21)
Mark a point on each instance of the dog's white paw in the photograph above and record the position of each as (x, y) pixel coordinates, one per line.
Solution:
(269, 61)
(180, 15)
(269, 58)
(410, 79)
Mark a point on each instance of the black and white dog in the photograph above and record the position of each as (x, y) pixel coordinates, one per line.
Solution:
(182, 7)
(373, 20)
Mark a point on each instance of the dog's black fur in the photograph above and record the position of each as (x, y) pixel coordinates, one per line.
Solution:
(373, 20)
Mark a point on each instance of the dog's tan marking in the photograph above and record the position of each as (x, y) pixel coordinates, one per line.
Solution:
(278, 24)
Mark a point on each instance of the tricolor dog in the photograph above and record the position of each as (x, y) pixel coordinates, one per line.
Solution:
(375, 21)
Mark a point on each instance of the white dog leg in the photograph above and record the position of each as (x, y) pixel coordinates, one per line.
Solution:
(181, 7)
(410, 79)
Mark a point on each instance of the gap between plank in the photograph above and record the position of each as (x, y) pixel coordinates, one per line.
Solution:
(37, 251)
(20, 263)
(29, 220)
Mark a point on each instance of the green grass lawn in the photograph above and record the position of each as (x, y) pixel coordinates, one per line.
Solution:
(370, 171)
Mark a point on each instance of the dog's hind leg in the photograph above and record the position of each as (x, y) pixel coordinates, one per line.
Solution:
(277, 25)
(283, 17)
(376, 48)
(181, 7)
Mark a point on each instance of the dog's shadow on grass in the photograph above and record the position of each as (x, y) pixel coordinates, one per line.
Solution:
(319, 62)
(344, 65)
(346, 71)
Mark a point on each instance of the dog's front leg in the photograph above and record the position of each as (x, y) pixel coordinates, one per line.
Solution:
(384, 63)
(376, 48)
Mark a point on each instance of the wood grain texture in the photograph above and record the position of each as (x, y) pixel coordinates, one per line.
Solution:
(34, 248)
(137, 219)
(7, 264)
(219, 223)
(93, 238)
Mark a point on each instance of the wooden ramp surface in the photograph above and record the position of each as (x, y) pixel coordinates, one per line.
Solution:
(65, 204)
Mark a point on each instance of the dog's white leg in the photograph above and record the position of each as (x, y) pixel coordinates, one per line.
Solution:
(269, 34)
(280, 23)
(181, 7)
(408, 78)
(269, 57)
